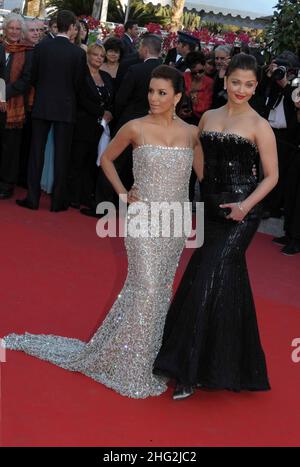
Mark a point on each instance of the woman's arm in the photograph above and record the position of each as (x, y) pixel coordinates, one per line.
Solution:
(126, 135)
(266, 144)
(198, 160)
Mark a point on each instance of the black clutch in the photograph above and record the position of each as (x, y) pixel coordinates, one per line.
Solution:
(212, 203)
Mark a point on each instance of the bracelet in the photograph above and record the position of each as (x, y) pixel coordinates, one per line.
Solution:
(241, 208)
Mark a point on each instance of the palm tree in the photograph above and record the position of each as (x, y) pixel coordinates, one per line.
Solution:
(34, 8)
(176, 14)
(79, 7)
(97, 9)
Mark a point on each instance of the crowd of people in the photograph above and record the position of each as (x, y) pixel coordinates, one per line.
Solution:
(61, 93)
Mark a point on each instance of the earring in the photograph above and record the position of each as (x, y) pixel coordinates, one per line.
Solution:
(174, 116)
(149, 112)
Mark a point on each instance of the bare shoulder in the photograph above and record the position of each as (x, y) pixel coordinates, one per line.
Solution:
(130, 131)
(135, 126)
(206, 117)
(262, 128)
(209, 114)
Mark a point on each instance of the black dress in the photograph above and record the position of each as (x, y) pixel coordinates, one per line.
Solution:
(211, 337)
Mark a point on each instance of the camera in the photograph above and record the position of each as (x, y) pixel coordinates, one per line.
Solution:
(279, 73)
(284, 69)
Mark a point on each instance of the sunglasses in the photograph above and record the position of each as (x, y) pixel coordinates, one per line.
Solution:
(195, 73)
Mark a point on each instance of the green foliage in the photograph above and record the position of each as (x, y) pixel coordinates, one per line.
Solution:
(142, 13)
(79, 7)
(285, 29)
(190, 20)
(215, 28)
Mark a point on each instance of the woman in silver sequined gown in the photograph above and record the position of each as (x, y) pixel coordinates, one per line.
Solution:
(122, 351)
(211, 338)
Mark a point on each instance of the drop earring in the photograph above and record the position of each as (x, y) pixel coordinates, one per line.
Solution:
(174, 116)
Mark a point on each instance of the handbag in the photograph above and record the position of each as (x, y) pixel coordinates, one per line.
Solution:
(212, 203)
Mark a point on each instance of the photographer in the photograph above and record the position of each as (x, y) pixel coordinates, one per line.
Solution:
(279, 110)
(291, 240)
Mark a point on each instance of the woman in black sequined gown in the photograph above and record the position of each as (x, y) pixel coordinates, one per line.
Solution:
(211, 338)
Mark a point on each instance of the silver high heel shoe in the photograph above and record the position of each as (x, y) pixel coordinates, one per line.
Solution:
(182, 392)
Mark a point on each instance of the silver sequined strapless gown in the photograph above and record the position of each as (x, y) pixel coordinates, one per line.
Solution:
(122, 351)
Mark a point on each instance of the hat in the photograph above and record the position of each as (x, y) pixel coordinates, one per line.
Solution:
(187, 38)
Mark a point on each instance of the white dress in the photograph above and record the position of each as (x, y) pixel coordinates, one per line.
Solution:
(121, 353)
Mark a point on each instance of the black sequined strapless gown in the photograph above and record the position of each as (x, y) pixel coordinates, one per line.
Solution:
(211, 338)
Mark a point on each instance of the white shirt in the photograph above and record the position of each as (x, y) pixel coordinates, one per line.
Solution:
(277, 116)
(63, 35)
(150, 58)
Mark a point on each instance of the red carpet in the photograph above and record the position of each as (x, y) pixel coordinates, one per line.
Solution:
(58, 277)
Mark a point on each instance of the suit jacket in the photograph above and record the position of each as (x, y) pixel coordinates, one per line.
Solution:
(270, 94)
(171, 56)
(129, 47)
(58, 71)
(91, 108)
(181, 65)
(48, 37)
(2, 62)
(132, 59)
(132, 97)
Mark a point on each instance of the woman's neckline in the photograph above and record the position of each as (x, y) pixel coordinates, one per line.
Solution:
(228, 133)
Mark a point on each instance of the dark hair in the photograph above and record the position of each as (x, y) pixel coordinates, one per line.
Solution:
(64, 20)
(194, 58)
(210, 58)
(192, 47)
(242, 61)
(290, 57)
(129, 24)
(153, 43)
(77, 40)
(84, 41)
(113, 43)
(170, 73)
(52, 21)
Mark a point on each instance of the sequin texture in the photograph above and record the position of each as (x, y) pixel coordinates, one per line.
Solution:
(121, 353)
(211, 337)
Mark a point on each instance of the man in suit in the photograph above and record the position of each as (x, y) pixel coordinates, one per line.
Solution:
(52, 28)
(58, 71)
(132, 59)
(132, 97)
(130, 35)
(131, 102)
